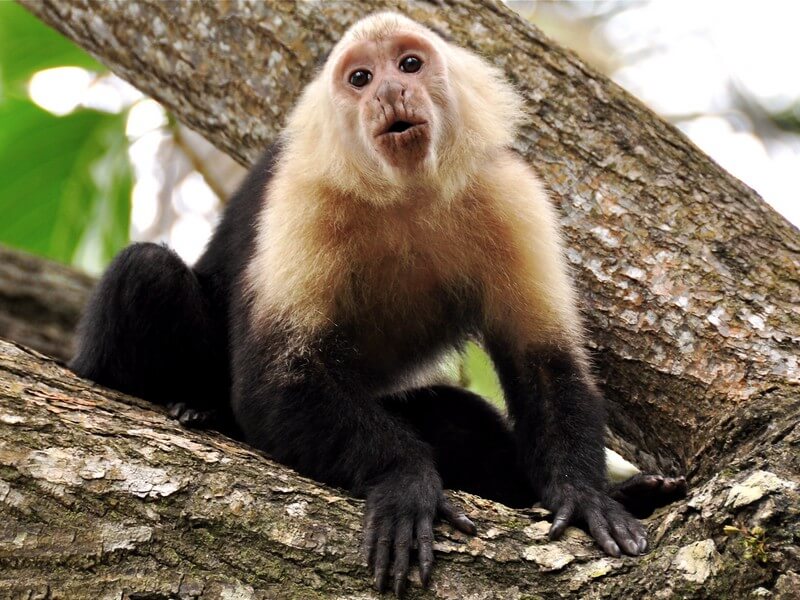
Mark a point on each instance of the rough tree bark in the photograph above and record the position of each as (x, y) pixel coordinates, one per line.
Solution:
(40, 302)
(691, 293)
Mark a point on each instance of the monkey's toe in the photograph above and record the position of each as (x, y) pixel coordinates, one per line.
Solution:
(190, 417)
(175, 409)
(675, 485)
(644, 493)
(196, 418)
(641, 485)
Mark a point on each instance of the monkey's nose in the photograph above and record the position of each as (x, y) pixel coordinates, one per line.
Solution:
(390, 92)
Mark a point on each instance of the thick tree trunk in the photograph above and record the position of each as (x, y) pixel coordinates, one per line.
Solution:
(691, 295)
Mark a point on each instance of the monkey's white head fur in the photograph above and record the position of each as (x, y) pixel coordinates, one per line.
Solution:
(474, 113)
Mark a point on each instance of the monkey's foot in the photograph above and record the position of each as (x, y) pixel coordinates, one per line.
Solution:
(644, 493)
(190, 417)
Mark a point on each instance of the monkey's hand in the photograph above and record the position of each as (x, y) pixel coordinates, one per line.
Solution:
(606, 519)
(400, 510)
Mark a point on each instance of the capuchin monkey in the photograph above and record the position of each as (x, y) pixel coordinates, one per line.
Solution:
(391, 223)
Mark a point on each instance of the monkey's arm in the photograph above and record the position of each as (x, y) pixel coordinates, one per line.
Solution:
(559, 421)
(307, 412)
(534, 335)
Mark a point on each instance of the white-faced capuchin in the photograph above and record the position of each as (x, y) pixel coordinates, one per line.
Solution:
(390, 224)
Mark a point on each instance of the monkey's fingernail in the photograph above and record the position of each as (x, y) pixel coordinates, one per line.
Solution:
(466, 525)
(425, 575)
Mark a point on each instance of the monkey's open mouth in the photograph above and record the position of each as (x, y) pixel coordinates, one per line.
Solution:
(400, 126)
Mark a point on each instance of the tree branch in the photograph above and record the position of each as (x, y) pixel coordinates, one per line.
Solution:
(40, 302)
(105, 496)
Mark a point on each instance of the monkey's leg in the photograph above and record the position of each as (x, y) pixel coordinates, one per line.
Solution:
(475, 451)
(472, 443)
(146, 331)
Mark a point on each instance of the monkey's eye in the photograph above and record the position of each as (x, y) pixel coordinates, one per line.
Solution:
(410, 64)
(360, 78)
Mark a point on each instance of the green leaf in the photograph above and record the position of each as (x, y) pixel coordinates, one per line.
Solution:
(27, 45)
(480, 376)
(65, 183)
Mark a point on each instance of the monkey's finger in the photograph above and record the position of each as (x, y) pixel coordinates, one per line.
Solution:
(598, 527)
(425, 542)
(562, 519)
(370, 538)
(638, 532)
(456, 517)
(402, 550)
(639, 535)
(383, 547)
(619, 529)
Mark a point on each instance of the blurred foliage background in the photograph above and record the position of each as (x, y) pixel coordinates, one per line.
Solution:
(65, 181)
(87, 163)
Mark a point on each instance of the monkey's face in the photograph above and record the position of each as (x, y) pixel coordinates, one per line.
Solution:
(392, 92)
